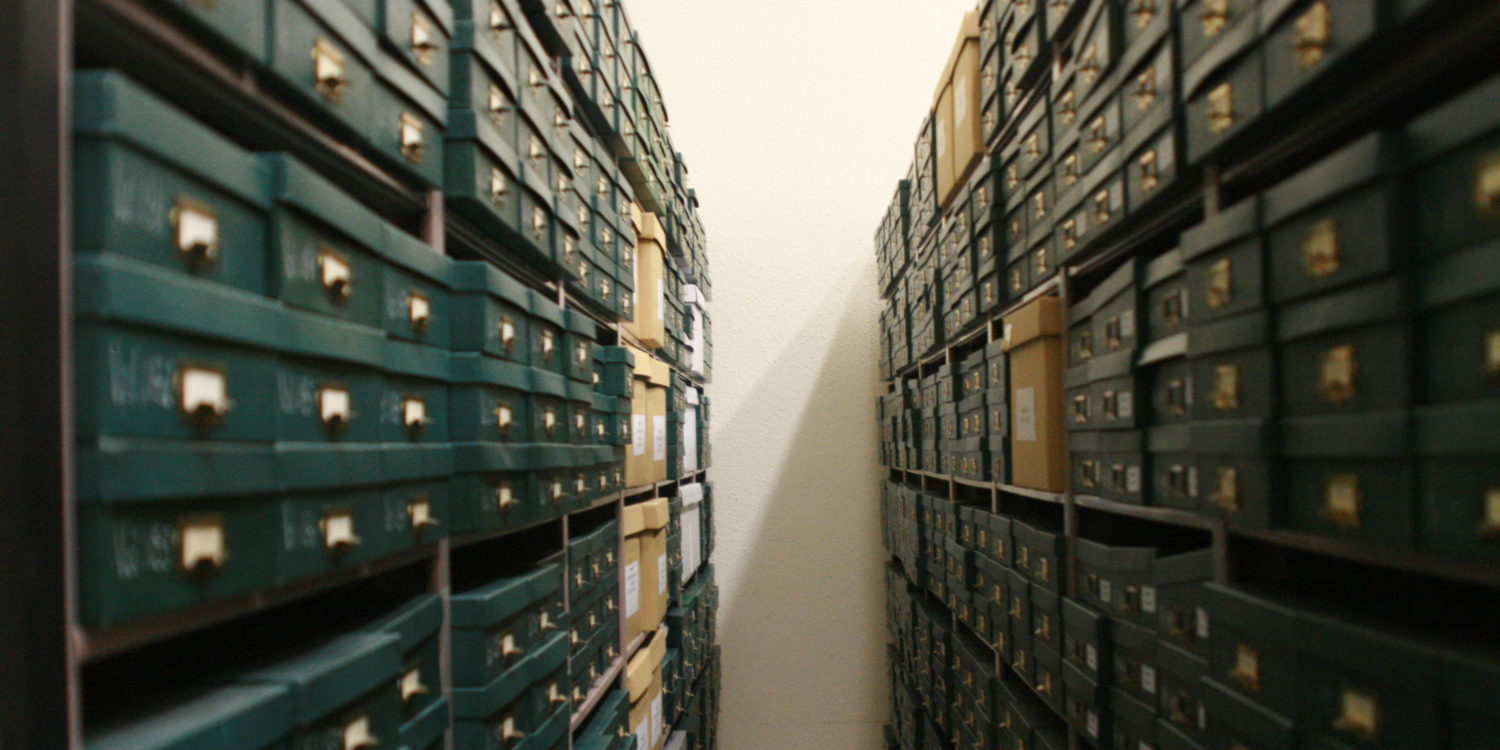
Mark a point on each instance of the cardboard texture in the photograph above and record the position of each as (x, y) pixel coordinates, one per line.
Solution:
(649, 323)
(958, 112)
(657, 516)
(643, 682)
(632, 524)
(1033, 338)
(638, 466)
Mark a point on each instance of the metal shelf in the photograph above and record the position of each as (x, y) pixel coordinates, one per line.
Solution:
(597, 693)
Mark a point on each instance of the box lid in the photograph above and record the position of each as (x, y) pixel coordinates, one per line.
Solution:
(108, 103)
(1364, 160)
(1183, 567)
(655, 513)
(1041, 317)
(488, 605)
(1242, 437)
(1231, 334)
(1386, 433)
(1166, 266)
(1214, 232)
(544, 307)
(296, 185)
(1464, 428)
(1244, 721)
(237, 717)
(483, 276)
(1244, 609)
(1470, 116)
(633, 520)
(1460, 276)
(1121, 558)
(415, 621)
(335, 674)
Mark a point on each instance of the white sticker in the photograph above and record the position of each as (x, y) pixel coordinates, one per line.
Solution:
(1202, 624)
(1202, 716)
(1148, 678)
(1106, 590)
(1026, 415)
(661, 299)
(638, 434)
(1192, 481)
(659, 449)
(1091, 657)
(658, 719)
(643, 733)
(1127, 324)
(1093, 724)
(1148, 599)
(1127, 404)
(632, 589)
(661, 574)
(1133, 479)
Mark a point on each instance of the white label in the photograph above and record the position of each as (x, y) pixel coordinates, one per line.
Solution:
(1127, 404)
(1091, 657)
(1106, 590)
(204, 389)
(1202, 716)
(658, 719)
(661, 574)
(643, 733)
(1093, 724)
(1026, 415)
(1127, 324)
(659, 448)
(661, 299)
(632, 589)
(1148, 678)
(1144, 746)
(1192, 481)
(1148, 599)
(1202, 624)
(638, 434)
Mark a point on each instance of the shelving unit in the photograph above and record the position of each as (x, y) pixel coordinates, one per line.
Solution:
(1403, 72)
(49, 667)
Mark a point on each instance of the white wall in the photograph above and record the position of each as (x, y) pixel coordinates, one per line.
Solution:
(796, 119)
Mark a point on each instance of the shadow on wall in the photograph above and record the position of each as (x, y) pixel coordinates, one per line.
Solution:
(804, 628)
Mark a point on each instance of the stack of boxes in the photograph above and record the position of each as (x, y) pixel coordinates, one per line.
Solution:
(1309, 364)
(280, 388)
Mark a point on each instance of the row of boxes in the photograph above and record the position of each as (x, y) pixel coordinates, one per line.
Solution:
(1093, 138)
(380, 685)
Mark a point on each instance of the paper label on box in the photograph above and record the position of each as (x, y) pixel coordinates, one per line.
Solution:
(643, 732)
(960, 101)
(1106, 590)
(1133, 479)
(632, 589)
(659, 450)
(1091, 657)
(1026, 415)
(1202, 624)
(638, 434)
(1127, 404)
(661, 574)
(661, 299)
(1148, 599)
(1127, 324)
(1148, 678)
(658, 718)
(1192, 481)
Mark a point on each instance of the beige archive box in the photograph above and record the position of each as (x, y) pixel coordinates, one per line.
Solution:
(1033, 339)
(643, 684)
(650, 323)
(958, 115)
(646, 460)
(633, 526)
(654, 578)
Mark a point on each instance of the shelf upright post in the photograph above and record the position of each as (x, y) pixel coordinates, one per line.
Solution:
(39, 695)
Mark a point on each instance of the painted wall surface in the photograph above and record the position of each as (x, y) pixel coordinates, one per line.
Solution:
(797, 119)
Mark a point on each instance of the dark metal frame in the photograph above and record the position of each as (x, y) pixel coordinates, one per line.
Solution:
(39, 689)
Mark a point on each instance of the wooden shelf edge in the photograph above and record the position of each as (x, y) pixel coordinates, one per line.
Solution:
(596, 694)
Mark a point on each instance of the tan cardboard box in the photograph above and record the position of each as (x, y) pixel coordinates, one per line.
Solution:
(638, 466)
(1033, 338)
(959, 112)
(652, 439)
(656, 408)
(643, 685)
(654, 578)
(649, 324)
(633, 526)
(942, 133)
